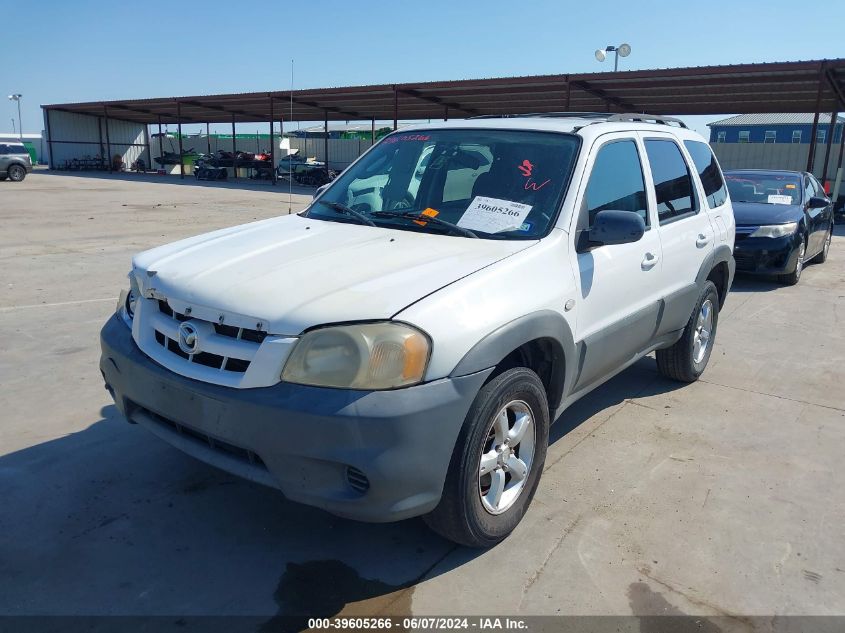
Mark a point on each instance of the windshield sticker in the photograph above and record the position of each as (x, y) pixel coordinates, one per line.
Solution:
(789, 186)
(526, 167)
(779, 199)
(526, 227)
(429, 212)
(492, 215)
(406, 137)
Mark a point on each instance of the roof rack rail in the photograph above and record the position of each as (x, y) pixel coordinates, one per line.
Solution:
(646, 118)
(562, 115)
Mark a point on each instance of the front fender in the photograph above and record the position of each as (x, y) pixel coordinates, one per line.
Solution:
(544, 324)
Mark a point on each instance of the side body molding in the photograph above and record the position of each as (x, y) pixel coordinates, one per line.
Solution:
(544, 324)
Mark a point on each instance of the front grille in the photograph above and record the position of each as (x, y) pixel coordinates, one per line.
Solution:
(215, 361)
(239, 453)
(357, 480)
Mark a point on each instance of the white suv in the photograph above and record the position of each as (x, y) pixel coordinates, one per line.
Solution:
(401, 347)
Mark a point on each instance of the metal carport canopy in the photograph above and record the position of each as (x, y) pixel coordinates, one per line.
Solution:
(803, 86)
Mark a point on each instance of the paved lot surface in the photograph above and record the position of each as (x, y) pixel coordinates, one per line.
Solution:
(725, 497)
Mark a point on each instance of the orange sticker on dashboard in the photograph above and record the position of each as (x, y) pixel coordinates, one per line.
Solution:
(428, 212)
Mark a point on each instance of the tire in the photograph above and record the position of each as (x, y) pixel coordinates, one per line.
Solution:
(790, 279)
(685, 361)
(466, 513)
(16, 173)
(821, 258)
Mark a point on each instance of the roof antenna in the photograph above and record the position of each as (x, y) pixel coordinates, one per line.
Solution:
(290, 162)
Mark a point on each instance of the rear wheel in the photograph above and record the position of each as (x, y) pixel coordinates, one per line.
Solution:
(687, 359)
(16, 173)
(497, 461)
(790, 279)
(821, 258)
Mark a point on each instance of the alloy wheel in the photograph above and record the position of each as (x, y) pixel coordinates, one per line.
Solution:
(506, 457)
(799, 265)
(703, 332)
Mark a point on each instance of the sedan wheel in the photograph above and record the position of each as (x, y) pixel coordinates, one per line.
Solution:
(790, 279)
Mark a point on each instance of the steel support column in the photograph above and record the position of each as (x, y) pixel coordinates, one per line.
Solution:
(50, 139)
(272, 146)
(160, 142)
(108, 138)
(811, 156)
(234, 151)
(179, 132)
(373, 131)
(100, 148)
(147, 143)
(326, 139)
(208, 137)
(395, 109)
(445, 113)
(831, 129)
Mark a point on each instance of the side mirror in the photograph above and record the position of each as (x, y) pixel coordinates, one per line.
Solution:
(616, 227)
(817, 202)
(320, 190)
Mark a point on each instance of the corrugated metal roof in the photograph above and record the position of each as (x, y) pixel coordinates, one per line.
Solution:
(741, 88)
(775, 118)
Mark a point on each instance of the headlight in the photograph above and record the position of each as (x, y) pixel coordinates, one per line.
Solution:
(363, 356)
(127, 301)
(775, 230)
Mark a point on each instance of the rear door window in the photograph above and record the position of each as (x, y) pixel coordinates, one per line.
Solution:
(672, 181)
(709, 173)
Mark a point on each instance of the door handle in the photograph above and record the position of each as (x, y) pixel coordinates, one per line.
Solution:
(703, 240)
(649, 261)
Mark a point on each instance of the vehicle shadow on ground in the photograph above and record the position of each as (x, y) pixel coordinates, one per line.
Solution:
(110, 520)
(839, 226)
(754, 283)
(189, 181)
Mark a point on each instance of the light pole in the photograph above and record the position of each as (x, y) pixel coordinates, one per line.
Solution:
(623, 50)
(20, 125)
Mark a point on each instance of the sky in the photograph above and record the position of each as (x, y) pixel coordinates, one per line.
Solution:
(88, 50)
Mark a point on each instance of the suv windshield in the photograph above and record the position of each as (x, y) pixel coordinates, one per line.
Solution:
(764, 188)
(496, 183)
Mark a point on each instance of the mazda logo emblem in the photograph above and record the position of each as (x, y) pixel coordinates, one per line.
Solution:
(188, 338)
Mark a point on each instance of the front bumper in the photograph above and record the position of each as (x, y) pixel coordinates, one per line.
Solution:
(767, 255)
(371, 456)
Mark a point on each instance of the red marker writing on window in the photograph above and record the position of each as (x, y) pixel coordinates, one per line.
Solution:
(526, 167)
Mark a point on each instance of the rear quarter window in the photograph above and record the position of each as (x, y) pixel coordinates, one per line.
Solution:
(708, 171)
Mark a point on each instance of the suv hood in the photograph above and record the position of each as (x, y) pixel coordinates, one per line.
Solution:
(292, 273)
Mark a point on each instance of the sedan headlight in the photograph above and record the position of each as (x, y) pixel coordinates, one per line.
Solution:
(775, 230)
(362, 356)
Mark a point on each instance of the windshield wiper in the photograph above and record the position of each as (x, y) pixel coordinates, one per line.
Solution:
(419, 217)
(342, 208)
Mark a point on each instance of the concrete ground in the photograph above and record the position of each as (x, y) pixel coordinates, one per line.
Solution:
(724, 497)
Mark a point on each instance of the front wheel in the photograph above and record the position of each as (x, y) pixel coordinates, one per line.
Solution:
(687, 359)
(497, 461)
(821, 258)
(790, 279)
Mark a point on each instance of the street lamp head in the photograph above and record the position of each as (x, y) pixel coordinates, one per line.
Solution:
(15, 97)
(624, 50)
(600, 55)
